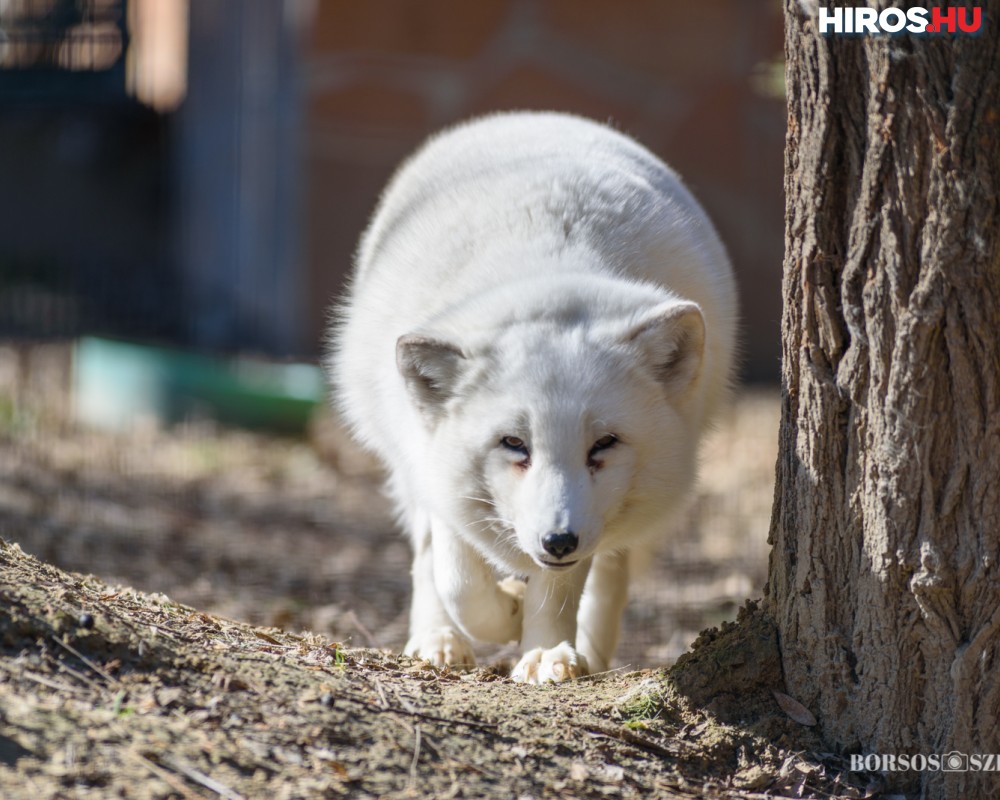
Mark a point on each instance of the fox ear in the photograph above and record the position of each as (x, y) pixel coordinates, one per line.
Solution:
(671, 338)
(430, 367)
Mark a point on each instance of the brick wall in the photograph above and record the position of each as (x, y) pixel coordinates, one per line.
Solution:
(683, 78)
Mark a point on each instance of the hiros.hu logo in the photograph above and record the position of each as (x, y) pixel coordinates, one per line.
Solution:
(950, 19)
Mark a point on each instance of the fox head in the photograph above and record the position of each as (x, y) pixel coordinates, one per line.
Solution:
(551, 442)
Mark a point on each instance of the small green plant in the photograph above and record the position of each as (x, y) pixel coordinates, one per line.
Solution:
(643, 707)
(118, 708)
(15, 419)
(642, 704)
(8, 413)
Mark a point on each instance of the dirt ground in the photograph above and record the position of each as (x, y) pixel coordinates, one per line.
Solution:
(106, 691)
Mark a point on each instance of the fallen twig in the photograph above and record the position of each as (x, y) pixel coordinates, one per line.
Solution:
(597, 675)
(168, 778)
(629, 737)
(79, 676)
(417, 714)
(61, 687)
(416, 756)
(201, 778)
(110, 679)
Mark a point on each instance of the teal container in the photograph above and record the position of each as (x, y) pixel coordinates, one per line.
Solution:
(117, 384)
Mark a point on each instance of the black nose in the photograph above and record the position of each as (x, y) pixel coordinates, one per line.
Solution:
(560, 543)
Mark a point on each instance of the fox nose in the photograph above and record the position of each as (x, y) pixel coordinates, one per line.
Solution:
(560, 543)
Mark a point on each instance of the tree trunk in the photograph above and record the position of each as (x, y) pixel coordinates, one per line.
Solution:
(884, 576)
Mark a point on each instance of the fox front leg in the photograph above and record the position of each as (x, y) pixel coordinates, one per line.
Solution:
(433, 636)
(483, 608)
(599, 618)
(551, 603)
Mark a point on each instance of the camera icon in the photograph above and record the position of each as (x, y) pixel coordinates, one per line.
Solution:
(954, 762)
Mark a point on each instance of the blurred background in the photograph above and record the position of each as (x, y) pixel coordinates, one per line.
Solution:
(182, 185)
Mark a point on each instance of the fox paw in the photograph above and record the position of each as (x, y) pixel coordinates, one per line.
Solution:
(443, 647)
(553, 665)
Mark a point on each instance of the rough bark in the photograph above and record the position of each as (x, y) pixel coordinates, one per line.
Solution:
(884, 579)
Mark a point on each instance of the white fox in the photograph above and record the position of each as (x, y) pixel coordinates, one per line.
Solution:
(540, 327)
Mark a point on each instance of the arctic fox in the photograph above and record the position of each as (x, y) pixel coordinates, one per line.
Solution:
(539, 329)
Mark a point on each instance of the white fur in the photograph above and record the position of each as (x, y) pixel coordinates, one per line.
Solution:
(538, 276)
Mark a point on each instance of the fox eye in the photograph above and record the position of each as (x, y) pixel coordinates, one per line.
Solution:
(603, 443)
(514, 443)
